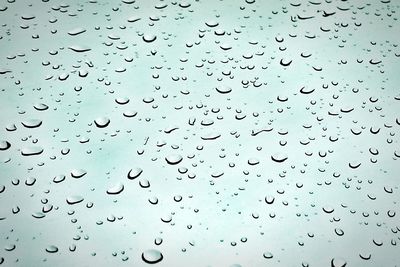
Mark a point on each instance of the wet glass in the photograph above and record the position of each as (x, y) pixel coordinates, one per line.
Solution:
(199, 133)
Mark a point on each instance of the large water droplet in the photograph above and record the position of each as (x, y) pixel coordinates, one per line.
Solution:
(78, 173)
(173, 159)
(148, 38)
(102, 122)
(76, 31)
(31, 151)
(52, 249)
(338, 262)
(32, 123)
(223, 89)
(152, 256)
(134, 173)
(4, 145)
(116, 189)
(71, 200)
(278, 157)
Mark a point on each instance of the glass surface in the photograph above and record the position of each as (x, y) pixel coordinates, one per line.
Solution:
(199, 133)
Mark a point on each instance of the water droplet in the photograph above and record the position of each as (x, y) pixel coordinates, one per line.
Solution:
(152, 256)
(134, 173)
(148, 38)
(130, 113)
(102, 122)
(30, 181)
(328, 209)
(133, 19)
(79, 48)
(59, 178)
(211, 136)
(212, 23)
(38, 215)
(78, 173)
(268, 255)
(223, 89)
(338, 262)
(144, 183)
(31, 151)
(278, 157)
(116, 189)
(41, 106)
(76, 31)
(71, 200)
(173, 159)
(339, 231)
(32, 123)
(253, 161)
(158, 241)
(4, 145)
(52, 249)
(153, 200)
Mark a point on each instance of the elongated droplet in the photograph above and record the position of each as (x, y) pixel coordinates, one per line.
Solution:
(71, 200)
(116, 189)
